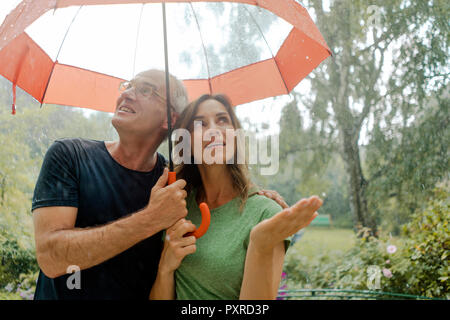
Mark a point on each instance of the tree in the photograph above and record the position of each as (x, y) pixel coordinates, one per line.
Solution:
(354, 86)
(413, 163)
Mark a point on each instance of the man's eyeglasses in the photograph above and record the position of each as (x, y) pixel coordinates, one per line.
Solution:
(143, 89)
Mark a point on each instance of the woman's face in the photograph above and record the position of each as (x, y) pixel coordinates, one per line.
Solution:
(211, 124)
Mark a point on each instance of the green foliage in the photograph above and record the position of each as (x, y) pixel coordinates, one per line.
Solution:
(406, 166)
(15, 260)
(5, 295)
(428, 249)
(416, 264)
(22, 289)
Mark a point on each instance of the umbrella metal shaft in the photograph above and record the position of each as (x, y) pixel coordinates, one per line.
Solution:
(166, 63)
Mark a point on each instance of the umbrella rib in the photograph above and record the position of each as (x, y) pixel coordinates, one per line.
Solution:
(67, 32)
(259, 29)
(137, 38)
(265, 40)
(59, 51)
(203, 46)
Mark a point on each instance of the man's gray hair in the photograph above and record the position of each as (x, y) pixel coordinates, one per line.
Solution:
(178, 93)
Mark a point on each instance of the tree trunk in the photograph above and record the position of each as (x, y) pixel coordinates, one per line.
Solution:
(357, 183)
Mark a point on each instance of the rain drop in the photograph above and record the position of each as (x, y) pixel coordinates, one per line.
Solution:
(307, 57)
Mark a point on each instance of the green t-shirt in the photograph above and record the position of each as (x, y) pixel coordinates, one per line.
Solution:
(216, 269)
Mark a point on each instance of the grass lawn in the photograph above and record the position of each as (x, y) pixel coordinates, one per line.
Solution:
(323, 239)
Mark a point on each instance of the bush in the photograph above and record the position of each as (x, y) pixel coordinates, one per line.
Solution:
(426, 269)
(23, 289)
(416, 264)
(15, 260)
(6, 295)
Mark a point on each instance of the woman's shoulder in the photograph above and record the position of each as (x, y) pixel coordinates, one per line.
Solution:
(263, 204)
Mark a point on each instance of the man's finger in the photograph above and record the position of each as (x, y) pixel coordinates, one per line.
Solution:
(283, 203)
(179, 184)
(270, 194)
(162, 181)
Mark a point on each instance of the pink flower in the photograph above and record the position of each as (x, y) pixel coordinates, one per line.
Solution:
(388, 261)
(387, 273)
(391, 249)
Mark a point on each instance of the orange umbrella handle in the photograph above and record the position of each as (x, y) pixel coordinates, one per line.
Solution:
(206, 219)
(206, 215)
(172, 177)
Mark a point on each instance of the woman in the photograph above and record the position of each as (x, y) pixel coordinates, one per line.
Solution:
(241, 255)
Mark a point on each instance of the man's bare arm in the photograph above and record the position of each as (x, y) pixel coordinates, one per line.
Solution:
(59, 244)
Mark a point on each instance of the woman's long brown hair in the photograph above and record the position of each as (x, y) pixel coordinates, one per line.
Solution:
(239, 172)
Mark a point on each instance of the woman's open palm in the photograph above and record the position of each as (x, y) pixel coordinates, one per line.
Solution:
(266, 234)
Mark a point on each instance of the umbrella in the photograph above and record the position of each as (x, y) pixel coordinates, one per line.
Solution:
(55, 73)
(77, 52)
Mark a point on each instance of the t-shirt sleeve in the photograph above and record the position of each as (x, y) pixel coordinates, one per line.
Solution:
(57, 184)
(272, 209)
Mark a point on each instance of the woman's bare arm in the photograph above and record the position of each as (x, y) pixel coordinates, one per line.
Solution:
(262, 273)
(265, 254)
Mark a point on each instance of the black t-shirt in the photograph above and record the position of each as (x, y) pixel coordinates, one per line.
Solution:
(81, 173)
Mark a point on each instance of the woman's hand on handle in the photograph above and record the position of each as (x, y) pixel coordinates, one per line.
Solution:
(176, 247)
(266, 234)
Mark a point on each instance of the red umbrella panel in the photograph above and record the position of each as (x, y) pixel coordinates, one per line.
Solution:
(66, 73)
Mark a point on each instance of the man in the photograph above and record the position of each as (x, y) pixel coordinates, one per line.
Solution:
(92, 208)
(100, 207)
